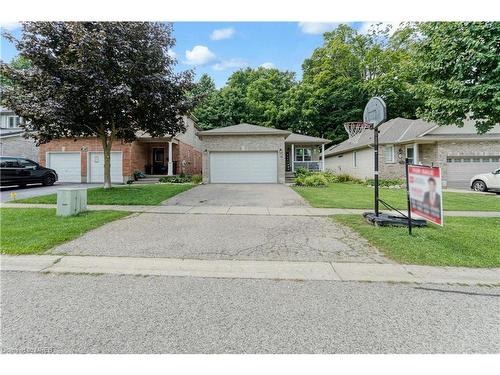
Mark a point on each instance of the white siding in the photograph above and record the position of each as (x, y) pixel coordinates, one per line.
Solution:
(344, 163)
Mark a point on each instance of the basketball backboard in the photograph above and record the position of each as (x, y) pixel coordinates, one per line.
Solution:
(375, 112)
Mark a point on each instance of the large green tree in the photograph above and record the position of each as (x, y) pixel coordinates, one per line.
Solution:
(97, 79)
(344, 73)
(459, 65)
(250, 95)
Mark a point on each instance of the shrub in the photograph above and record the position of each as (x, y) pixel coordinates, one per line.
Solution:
(344, 177)
(316, 179)
(138, 174)
(196, 179)
(176, 179)
(302, 172)
(389, 182)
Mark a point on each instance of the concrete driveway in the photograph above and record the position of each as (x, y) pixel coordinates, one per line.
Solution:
(254, 195)
(37, 189)
(244, 237)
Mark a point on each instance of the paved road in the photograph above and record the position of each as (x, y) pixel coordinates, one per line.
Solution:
(127, 314)
(37, 189)
(254, 195)
(204, 236)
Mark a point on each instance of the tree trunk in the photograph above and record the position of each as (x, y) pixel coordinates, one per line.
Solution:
(107, 142)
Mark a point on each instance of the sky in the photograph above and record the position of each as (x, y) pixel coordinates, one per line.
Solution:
(221, 48)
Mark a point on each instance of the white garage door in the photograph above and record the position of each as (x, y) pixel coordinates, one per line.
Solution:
(243, 167)
(96, 167)
(66, 164)
(462, 168)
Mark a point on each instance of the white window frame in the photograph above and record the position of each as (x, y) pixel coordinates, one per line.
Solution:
(303, 156)
(415, 153)
(355, 159)
(17, 120)
(392, 158)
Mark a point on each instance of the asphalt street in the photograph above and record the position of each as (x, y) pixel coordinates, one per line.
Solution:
(131, 314)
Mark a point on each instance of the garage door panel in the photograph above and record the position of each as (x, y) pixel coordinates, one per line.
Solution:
(96, 167)
(243, 167)
(461, 169)
(66, 164)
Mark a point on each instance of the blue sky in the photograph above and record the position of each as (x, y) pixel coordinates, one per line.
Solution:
(220, 48)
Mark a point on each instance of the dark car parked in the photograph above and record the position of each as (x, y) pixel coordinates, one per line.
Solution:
(20, 171)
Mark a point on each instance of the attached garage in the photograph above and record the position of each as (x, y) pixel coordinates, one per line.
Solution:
(244, 167)
(96, 167)
(460, 169)
(66, 164)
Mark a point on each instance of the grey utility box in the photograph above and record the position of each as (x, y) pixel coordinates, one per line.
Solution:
(71, 201)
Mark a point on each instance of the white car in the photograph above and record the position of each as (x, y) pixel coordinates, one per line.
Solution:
(486, 181)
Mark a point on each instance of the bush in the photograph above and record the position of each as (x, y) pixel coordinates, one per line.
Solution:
(316, 179)
(390, 182)
(176, 179)
(138, 174)
(344, 177)
(196, 179)
(302, 172)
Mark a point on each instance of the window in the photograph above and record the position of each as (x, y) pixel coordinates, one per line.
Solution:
(355, 159)
(27, 163)
(8, 163)
(389, 153)
(303, 154)
(410, 154)
(14, 121)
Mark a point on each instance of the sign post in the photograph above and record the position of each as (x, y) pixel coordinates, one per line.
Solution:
(408, 197)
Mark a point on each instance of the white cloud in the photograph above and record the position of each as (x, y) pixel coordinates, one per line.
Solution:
(9, 26)
(199, 55)
(317, 27)
(231, 63)
(267, 65)
(220, 34)
(365, 27)
(172, 53)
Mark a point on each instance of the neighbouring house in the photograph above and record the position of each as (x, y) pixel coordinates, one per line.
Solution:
(459, 151)
(247, 153)
(12, 140)
(81, 159)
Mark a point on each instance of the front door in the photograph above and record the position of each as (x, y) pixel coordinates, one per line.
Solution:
(158, 160)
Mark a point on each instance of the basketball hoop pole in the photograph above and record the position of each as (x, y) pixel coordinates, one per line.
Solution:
(375, 174)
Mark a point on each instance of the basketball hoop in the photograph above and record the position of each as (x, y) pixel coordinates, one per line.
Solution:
(355, 128)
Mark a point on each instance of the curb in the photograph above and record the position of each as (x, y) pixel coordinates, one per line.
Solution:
(249, 269)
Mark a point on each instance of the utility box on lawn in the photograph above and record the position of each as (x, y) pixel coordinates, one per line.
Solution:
(71, 201)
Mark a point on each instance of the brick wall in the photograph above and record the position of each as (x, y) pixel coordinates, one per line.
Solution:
(86, 145)
(188, 159)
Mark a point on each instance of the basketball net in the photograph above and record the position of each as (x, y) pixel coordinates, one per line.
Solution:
(354, 128)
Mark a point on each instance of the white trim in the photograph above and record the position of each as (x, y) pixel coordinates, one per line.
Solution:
(170, 164)
(323, 157)
(393, 158)
(293, 157)
(355, 159)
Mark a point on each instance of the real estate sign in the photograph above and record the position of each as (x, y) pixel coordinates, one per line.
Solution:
(426, 196)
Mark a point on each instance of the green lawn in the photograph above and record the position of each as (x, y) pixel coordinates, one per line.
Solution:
(348, 195)
(148, 195)
(34, 230)
(463, 241)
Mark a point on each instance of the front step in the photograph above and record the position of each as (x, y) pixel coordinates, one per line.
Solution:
(289, 177)
(147, 181)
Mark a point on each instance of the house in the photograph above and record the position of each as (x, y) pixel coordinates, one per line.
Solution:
(81, 159)
(12, 140)
(459, 151)
(247, 153)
